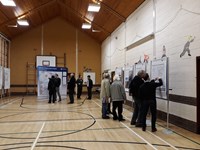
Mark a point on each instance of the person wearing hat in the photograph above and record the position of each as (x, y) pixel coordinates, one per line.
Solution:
(89, 87)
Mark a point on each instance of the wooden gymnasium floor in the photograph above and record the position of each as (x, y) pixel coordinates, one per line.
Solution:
(37, 125)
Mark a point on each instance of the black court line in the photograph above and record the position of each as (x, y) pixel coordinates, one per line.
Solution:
(85, 141)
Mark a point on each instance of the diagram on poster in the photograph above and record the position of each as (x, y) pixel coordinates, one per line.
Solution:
(159, 68)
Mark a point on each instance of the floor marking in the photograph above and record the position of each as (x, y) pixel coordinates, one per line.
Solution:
(35, 142)
(138, 136)
(163, 140)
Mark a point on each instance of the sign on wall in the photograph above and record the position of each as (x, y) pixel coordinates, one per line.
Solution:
(159, 68)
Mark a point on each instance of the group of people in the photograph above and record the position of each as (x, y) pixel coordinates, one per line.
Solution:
(54, 84)
(114, 92)
(143, 91)
(53, 87)
(71, 87)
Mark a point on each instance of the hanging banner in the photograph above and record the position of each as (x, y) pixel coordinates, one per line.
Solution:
(6, 78)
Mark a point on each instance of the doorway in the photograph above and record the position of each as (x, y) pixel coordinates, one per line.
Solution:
(198, 93)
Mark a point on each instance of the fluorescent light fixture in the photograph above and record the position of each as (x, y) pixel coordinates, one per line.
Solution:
(8, 2)
(86, 26)
(23, 22)
(94, 7)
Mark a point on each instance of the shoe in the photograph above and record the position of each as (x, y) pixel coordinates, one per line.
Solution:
(49, 102)
(122, 119)
(189, 54)
(70, 103)
(153, 130)
(106, 117)
(133, 123)
(143, 128)
(115, 118)
(59, 100)
(138, 125)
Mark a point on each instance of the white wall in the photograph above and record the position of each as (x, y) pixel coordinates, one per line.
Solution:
(176, 22)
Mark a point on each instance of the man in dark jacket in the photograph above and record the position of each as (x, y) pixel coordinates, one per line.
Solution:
(79, 83)
(134, 86)
(52, 89)
(89, 87)
(147, 93)
(71, 87)
(57, 83)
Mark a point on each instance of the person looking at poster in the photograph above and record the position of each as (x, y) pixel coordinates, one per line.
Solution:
(89, 87)
(52, 89)
(71, 87)
(57, 83)
(79, 83)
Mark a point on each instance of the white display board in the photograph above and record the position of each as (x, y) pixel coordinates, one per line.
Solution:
(139, 66)
(47, 61)
(6, 78)
(1, 77)
(92, 77)
(159, 68)
(43, 75)
(128, 76)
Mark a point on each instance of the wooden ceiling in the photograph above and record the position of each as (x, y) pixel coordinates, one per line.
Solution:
(112, 13)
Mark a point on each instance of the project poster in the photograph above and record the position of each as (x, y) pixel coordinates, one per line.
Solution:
(159, 68)
(44, 73)
(128, 76)
(6, 78)
(1, 77)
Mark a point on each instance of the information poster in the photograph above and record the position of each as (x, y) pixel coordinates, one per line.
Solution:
(1, 77)
(128, 76)
(6, 78)
(44, 73)
(159, 68)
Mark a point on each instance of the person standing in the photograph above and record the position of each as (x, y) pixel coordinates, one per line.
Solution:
(134, 86)
(52, 89)
(147, 93)
(89, 87)
(79, 83)
(71, 87)
(118, 96)
(57, 83)
(105, 94)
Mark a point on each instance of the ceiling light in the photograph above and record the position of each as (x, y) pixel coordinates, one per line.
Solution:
(94, 7)
(86, 26)
(23, 22)
(8, 2)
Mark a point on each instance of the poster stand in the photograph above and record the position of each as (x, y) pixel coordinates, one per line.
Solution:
(167, 130)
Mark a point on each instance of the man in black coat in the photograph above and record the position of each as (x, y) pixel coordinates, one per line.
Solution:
(52, 89)
(134, 86)
(147, 93)
(89, 87)
(57, 83)
(79, 83)
(71, 87)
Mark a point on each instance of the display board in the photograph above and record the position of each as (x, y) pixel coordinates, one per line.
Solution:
(6, 78)
(119, 71)
(1, 77)
(159, 68)
(47, 61)
(128, 76)
(92, 77)
(139, 66)
(43, 75)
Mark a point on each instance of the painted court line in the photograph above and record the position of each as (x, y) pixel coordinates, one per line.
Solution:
(35, 142)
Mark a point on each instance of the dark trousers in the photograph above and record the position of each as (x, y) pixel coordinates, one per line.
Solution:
(104, 107)
(137, 113)
(117, 105)
(79, 92)
(89, 93)
(52, 94)
(153, 109)
(71, 96)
